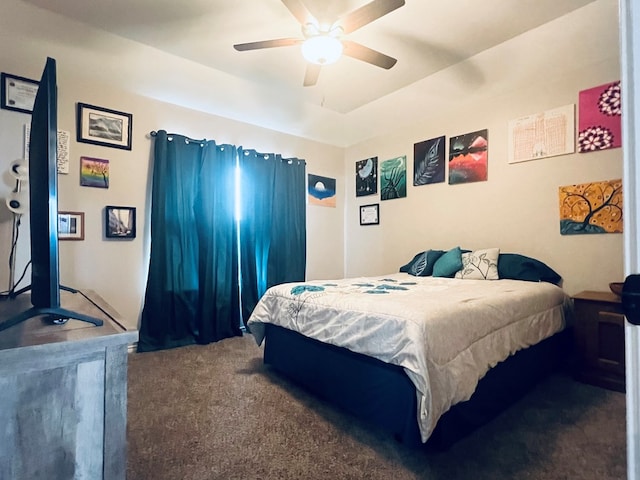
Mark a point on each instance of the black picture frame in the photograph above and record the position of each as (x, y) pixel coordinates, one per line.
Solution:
(370, 214)
(120, 222)
(18, 93)
(103, 126)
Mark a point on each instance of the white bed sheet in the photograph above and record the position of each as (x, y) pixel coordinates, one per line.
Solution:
(446, 333)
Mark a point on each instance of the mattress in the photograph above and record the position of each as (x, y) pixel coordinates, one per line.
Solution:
(445, 333)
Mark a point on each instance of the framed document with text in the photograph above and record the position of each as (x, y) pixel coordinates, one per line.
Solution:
(370, 214)
(18, 93)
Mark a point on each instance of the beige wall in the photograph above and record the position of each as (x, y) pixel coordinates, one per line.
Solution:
(117, 269)
(517, 208)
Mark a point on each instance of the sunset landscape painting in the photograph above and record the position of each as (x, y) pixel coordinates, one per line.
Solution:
(321, 191)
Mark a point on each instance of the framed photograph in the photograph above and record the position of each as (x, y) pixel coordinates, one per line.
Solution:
(120, 222)
(101, 126)
(370, 214)
(70, 225)
(18, 93)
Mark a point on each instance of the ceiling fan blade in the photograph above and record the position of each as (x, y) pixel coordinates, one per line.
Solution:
(279, 42)
(311, 75)
(366, 54)
(298, 10)
(368, 13)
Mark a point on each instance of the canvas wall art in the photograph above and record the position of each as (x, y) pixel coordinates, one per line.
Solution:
(393, 178)
(542, 135)
(94, 172)
(469, 157)
(600, 114)
(367, 177)
(428, 161)
(321, 190)
(591, 208)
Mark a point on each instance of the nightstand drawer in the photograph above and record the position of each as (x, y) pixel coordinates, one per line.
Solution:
(599, 331)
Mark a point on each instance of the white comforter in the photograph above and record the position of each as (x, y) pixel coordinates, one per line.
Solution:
(446, 333)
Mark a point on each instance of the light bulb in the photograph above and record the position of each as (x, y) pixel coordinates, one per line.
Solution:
(322, 49)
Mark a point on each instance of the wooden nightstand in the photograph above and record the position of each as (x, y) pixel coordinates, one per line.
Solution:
(599, 333)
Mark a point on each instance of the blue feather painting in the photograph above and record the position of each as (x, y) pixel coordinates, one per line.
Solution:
(321, 190)
(428, 161)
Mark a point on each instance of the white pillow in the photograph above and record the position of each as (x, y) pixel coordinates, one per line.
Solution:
(480, 265)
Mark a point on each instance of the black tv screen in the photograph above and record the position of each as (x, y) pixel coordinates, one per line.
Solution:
(43, 211)
(43, 192)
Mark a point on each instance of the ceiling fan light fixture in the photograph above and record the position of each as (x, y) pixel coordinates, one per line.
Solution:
(322, 49)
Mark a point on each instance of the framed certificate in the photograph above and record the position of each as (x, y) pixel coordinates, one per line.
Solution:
(370, 214)
(18, 93)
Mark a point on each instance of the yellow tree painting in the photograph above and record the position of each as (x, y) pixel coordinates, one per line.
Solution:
(591, 208)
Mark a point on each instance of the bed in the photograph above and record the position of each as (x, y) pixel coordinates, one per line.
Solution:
(428, 353)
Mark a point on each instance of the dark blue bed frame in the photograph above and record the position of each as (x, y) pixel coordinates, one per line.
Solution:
(383, 395)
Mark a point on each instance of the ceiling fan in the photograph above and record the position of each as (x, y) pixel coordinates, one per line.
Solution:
(324, 44)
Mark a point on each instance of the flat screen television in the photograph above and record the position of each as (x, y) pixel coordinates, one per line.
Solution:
(43, 209)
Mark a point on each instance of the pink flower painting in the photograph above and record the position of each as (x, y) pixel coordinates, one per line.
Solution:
(599, 125)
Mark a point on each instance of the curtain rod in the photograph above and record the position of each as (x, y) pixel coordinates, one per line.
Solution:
(153, 133)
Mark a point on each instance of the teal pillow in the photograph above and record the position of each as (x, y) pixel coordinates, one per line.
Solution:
(422, 264)
(521, 267)
(448, 264)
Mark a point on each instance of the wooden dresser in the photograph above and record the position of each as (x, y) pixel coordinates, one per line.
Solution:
(63, 393)
(599, 331)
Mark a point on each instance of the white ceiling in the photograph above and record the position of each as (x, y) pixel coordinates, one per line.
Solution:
(425, 36)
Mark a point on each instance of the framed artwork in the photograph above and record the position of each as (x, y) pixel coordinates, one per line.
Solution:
(94, 172)
(600, 118)
(120, 222)
(367, 177)
(594, 207)
(102, 126)
(468, 157)
(18, 93)
(370, 214)
(70, 225)
(321, 190)
(393, 178)
(428, 161)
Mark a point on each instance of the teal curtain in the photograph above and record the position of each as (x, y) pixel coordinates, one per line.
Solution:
(218, 305)
(192, 287)
(217, 244)
(272, 223)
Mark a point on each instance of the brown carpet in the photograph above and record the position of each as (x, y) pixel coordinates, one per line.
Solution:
(215, 412)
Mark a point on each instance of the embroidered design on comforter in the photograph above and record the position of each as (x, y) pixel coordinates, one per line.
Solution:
(371, 287)
(446, 333)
